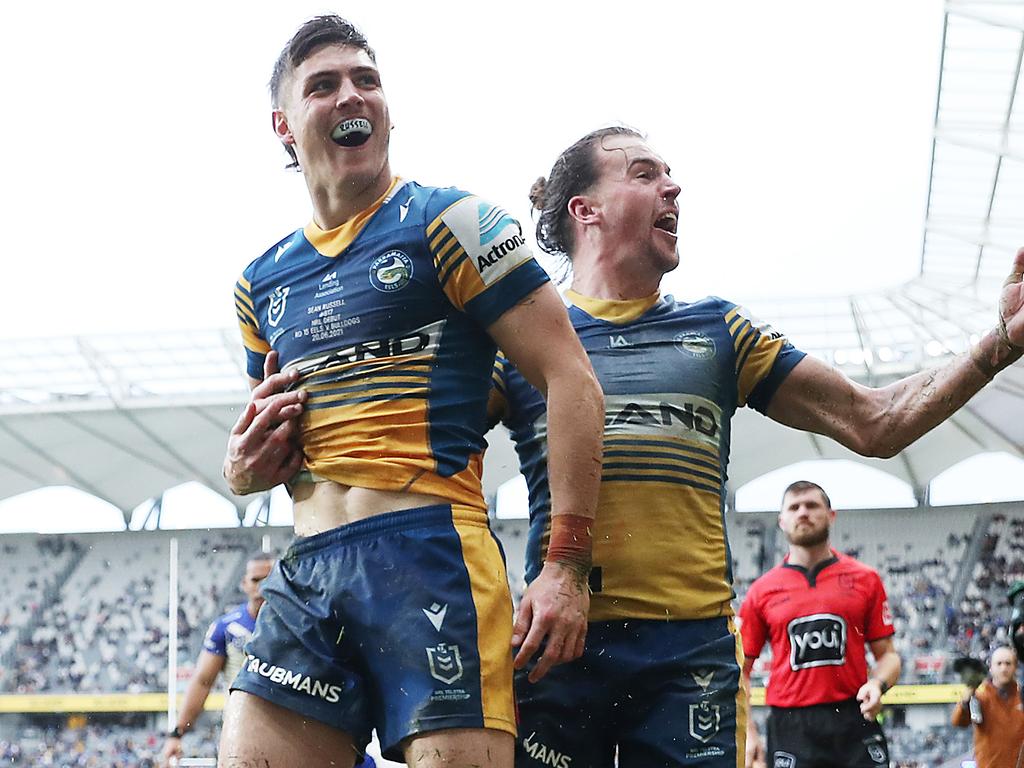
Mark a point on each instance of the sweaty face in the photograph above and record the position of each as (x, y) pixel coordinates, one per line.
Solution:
(255, 572)
(334, 114)
(805, 519)
(1003, 666)
(636, 198)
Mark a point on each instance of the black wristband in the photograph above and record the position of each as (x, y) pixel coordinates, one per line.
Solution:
(175, 733)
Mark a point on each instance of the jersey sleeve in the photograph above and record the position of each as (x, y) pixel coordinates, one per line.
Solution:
(753, 628)
(215, 641)
(497, 399)
(879, 623)
(483, 262)
(256, 347)
(764, 357)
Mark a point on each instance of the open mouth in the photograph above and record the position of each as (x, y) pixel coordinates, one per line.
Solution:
(352, 133)
(667, 223)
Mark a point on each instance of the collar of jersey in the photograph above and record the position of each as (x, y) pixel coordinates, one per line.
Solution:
(613, 310)
(332, 242)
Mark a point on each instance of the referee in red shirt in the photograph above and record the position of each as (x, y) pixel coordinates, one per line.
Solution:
(819, 609)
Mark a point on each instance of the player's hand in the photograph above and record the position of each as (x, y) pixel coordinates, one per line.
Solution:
(170, 753)
(870, 698)
(754, 756)
(1011, 302)
(263, 448)
(553, 611)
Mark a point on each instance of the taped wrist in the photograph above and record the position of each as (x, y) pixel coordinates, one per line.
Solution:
(571, 542)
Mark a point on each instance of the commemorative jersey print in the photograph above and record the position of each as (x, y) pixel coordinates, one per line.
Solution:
(385, 319)
(673, 374)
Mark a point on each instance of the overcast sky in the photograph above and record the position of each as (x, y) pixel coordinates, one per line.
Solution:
(141, 173)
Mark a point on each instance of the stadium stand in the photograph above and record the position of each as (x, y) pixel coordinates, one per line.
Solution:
(103, 628)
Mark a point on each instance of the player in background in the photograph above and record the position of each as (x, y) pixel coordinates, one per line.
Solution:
(222, 651)
(392, 610)
(659, 681)
(818, 610)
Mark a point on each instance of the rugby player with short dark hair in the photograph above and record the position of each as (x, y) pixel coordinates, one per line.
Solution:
(391, 611)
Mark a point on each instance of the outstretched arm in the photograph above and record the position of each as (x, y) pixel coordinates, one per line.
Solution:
(883, 421)
(538, 338)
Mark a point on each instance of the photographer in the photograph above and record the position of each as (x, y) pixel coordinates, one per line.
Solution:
(995, 709)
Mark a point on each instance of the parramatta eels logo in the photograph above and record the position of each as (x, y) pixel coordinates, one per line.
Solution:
(694, 344)
(704, 720)
(445, 663)
(278, 299)
(391, 272)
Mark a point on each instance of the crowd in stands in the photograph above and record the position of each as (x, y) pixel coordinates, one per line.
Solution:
(98, 746)
(88, 613)
(106, 629)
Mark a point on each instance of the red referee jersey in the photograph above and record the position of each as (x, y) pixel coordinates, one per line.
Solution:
(817, 621)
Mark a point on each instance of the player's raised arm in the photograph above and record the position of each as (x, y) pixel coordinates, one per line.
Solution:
(537, 337)
(883, 421)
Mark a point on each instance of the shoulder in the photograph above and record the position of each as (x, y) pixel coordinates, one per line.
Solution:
(852, 565)
(267, 261)
(767, 580)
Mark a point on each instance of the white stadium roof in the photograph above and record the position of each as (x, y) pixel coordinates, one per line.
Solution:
(125, 417)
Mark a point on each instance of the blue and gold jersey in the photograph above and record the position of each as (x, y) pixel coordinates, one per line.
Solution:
(385, 318)
(673, 374)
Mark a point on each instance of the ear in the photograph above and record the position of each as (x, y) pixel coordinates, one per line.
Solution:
(281, 127)
(582, 209)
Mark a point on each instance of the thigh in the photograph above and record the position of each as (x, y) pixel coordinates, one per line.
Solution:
(860, 743)
(458, 747)
(686, 707)
(565, 718)
(257, 732)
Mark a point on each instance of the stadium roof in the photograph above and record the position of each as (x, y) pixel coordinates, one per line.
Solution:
(126, 417)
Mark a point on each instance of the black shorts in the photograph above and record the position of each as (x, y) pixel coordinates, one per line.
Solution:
(832, 735)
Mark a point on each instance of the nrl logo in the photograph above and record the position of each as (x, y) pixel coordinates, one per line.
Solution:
(704, 721)
(784, 760)
(278, 299)
(445, 663)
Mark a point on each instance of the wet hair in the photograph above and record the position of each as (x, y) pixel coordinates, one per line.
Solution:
(574, 173)
(319, 31)
(807, 485)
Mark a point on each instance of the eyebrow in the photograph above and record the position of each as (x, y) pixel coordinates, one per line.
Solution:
(360, 69)
(649, 162)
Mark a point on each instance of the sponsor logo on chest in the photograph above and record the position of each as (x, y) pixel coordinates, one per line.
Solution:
(818, 640)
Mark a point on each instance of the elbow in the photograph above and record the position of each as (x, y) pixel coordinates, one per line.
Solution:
(876, 438)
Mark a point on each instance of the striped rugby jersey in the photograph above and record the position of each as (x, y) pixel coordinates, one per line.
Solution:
(673, 374)
(385, 318)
